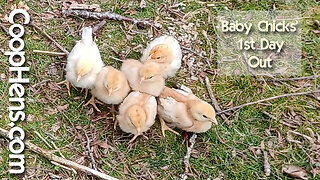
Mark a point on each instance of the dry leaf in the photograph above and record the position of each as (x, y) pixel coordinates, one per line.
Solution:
(230, 104)
(62, 108)
(55, 127)
(143, 4)
(30, 117)
(3, 77)
(125, 169)
(316, 31)
(315, 171)
(51, 111)
(104, 145)
(295, 172)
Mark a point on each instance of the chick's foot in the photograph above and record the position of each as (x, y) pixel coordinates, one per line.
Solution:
(164, 127)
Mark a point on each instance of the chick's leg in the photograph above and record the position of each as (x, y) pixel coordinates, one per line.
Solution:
(134, 137)
(113, 111)
(67, 84)
(85, 92)
(165, 127)
(92, 102)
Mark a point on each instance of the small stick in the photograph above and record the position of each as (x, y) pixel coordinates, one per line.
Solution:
(50, 53)
(4, 29)
(214, 100)
(98, 26)
(186, 160)
(50, 38)
(268, 99)
(109, 15)
(90, 152)
(266, 164)
(43, 139)
(290, 79)
(117, 59)
(4, 133)
(57, 149)
(65, 167)
(192, 51)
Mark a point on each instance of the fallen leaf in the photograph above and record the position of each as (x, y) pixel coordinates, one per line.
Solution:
(62, 108)
(3, 77)
(55, 127)
(104, 145)
(51, 111)
(125, 169)
(30, 117)
(143, 4)
(295, 172)
(316, 31)
(315, 171)
(230, 104)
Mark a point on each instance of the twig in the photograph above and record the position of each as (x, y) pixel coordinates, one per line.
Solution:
(268, 99)
(117, 59)
(4, 29)
(214, 100)
(50, 53)
(290, 79)
(266, 164)
(57, 149)
(90, 152)
(50, 38)
(193, 52)
(43, 139)
(186, 160)
(60, 165)
(4, 133)
(109, 15)
(98, 26)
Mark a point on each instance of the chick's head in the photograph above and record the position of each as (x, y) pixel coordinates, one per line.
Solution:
(160, 53)
(113, 82)
(83, 68)
(148, 71)
(137, 117)
(202, 111)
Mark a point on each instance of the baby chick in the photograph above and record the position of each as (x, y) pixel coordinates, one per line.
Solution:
(111, 87)
(185, 111)
(145, 78)
(164, 50)
(137, 113)
(84, 61)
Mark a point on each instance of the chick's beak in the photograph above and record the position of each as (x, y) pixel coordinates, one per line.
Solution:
(149, 57)
(109, 91)
(142, 79)
(214, 121)
(78, 78)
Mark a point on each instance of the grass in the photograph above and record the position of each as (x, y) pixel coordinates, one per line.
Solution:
(224, 151)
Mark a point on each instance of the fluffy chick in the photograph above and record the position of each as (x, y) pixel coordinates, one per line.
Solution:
(185, 111)
(164, 50)
(84, 61)
(145, 78)
(137, 113)
(111, 87)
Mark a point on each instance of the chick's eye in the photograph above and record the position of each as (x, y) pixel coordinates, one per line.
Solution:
(158, 57)
(204, 116)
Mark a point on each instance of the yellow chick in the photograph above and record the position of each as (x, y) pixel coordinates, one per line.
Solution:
(84, 61)
(185, 111)
(137, 113)
(145, 78)
(111, 87)
(164, 50)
